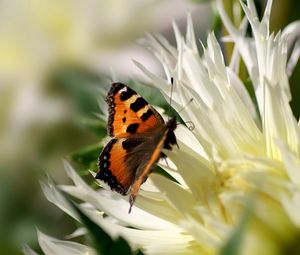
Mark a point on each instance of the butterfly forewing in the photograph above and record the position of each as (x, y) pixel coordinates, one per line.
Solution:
(129, 113)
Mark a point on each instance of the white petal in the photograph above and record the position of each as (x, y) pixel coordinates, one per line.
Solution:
(215, 224)
(52, 246)
(157, 82)
(267, 14)
(279, 122)
(186, 204)
(190, 35)
(183, 201)
(78, 232)
(292, 207)
(242, 92)
(112, 204)
(201, 233)
(186, 137)
(292, 35)
(174, 174)
(244, 45)
(28, 251)
(177, 34)
(157, 206)
(152, 241)
(55, 197)
(164, 54)
(235, 58)
(198, 77)
(200, 177)
(166, 44)
(291, 162)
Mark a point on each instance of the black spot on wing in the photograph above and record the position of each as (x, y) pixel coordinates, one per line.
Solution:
(138, 104)
(130, 144)
(124, 119)
(147, 115)
(127, 94)
(132, 128)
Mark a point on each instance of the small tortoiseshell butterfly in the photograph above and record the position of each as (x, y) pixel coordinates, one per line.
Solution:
(138, 133)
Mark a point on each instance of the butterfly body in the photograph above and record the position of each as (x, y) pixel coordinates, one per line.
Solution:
(138, 134)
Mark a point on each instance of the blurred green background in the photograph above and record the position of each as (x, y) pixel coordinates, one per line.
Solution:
(57, 60)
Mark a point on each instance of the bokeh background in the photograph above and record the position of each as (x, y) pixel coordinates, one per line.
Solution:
(57, 59)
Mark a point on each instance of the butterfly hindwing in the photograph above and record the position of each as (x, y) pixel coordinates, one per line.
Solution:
(125, 161)
(120, 160)
(129, 113)
(112, 167)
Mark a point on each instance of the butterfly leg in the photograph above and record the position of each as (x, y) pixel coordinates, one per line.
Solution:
(131, 202)
(134, 191)
(166, 162)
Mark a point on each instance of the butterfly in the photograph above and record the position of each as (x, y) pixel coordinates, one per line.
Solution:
(139, 134)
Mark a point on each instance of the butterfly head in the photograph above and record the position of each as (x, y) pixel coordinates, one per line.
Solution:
(172, 124)
(171, 138)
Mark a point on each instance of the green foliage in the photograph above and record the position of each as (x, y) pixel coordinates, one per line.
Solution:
(93, 124)
(249, 86)
(87, 155)
(80, 86)
(164, 173)
(292, 247)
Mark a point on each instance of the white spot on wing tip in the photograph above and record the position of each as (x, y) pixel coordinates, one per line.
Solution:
(122, 90)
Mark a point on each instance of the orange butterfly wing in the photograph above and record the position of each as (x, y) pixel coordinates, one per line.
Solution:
(112, 167)
(129, 113)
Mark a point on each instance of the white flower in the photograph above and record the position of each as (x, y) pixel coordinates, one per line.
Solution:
(235, 154)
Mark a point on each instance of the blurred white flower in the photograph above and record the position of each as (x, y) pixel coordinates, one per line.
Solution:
(235, 153)
(37, 37)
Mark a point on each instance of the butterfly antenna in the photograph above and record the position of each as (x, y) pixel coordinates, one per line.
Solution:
(166, 162)
(172, 86)
(183, 107)
(191, 125)
(171, 95)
